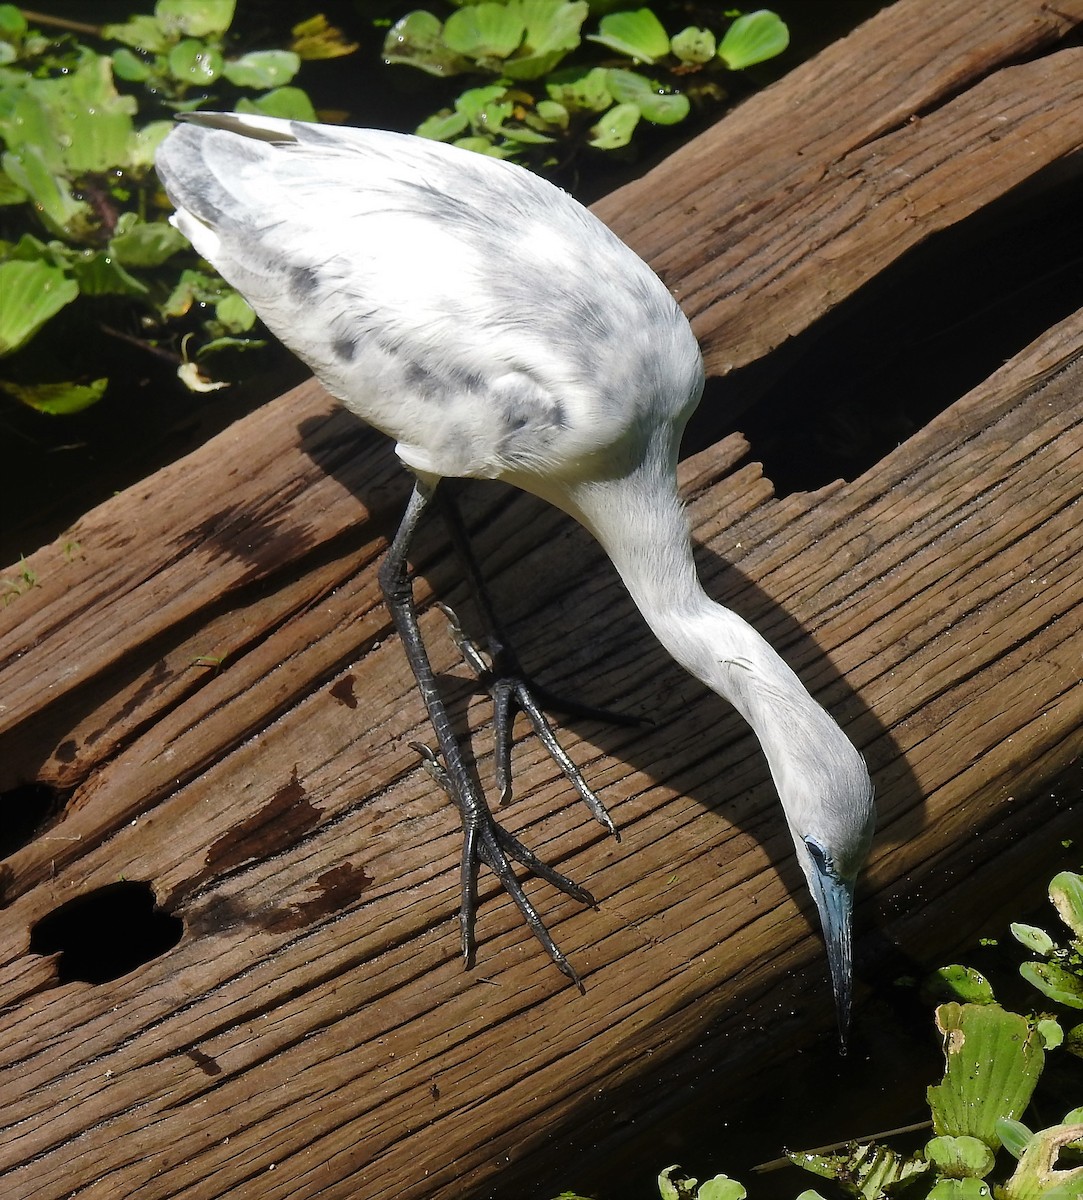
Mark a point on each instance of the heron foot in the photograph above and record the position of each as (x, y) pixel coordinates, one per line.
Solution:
(512, 692)
(486, 841)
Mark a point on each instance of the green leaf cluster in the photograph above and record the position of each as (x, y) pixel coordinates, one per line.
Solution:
(1059, 971)
(674, 1185)
(993, 1063)
(994, 1059)
(82, 213)
(534, 101)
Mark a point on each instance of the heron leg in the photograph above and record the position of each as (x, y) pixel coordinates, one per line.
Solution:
(483, 839)
(508, 684)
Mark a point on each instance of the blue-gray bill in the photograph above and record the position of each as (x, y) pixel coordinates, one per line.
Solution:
(835, 903)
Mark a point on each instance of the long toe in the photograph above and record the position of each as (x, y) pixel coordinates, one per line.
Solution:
(544, 732)
(511, 691)
(495, 845)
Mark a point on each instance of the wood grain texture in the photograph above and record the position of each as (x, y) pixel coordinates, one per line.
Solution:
(807, 192)
(314, 1034)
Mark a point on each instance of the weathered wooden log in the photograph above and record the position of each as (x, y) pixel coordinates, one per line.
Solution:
(205, 673)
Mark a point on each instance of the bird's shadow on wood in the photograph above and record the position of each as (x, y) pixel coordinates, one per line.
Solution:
(579, 635)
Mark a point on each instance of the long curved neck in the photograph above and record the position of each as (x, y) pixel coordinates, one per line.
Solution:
(640, 523)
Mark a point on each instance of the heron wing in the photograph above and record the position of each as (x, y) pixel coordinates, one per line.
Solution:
(471, 310)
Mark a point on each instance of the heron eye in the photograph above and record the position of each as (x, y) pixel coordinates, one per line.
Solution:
(820, 856)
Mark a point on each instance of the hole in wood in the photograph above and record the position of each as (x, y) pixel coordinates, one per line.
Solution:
(106, 933)
(27, 809)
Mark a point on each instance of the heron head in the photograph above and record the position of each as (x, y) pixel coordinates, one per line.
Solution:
(828, 800)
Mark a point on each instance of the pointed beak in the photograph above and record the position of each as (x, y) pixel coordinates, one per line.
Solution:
(835, 904)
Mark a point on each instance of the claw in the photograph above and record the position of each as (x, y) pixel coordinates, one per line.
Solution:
(511, 693)
(486, 841)
(468, 649)
(495, 845)
(430, 760)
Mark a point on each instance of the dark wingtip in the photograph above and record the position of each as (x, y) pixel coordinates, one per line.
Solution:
(233, 123)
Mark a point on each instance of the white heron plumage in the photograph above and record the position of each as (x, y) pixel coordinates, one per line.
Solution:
(496, 329)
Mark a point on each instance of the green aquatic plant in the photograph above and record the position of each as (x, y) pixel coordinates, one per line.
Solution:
(82, 216)
(1059, 974)
(994, 1058)
(543, 90)
(993, 1062)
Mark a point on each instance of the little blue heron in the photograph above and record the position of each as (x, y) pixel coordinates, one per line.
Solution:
(496, 329)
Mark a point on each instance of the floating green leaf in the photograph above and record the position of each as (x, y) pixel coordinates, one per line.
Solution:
(10, 192)
(480, 145)
(552, 24)
(1013, 1135)
(484, 30)
(654, 104)
(960, 1157)
(616, 127)
(97, 274)
(1036, 940)
(13, 25)
(142, 244)
(675, 1189)
(144, 143)
(963, 984)
(50, 194)
(721, 1187)
(141, 33)
(1066, 892)
(993, 1061)
(25, 121)
(443, 126)
(130, 67)
(552, 113)
(33, 292)
(417, 40)
(959, 1189)
(195, 18)
(694, 45)
(753, 38)
(639, 35)
(75, 123)
(194, 63)
(289, 103)
(484, 103)
(1056, 982)
(1051, 1032)
(581, 90)
(215, 345)
(192, 286)
(262, 69)
(525, 135)
(551, 31)
(234, 313)
(29, 249)
(57, 399)
(95, 126)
